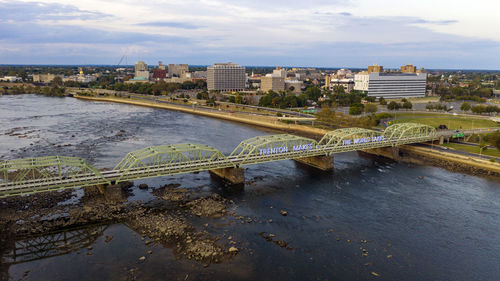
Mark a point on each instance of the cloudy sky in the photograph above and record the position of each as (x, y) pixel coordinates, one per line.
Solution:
(326, 33)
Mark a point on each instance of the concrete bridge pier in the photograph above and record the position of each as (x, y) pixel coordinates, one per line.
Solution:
(235, 176)
(391, 152)
(321, 162)
(115, 192)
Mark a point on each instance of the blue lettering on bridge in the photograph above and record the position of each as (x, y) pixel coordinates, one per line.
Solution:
(284, 149)
(363, 140)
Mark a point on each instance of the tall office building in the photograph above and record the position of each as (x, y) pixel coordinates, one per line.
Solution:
(141, 71)
(226, 77)
(176, 70)
(408, 68)
(271, 82)
(391, 85)
(375, 68)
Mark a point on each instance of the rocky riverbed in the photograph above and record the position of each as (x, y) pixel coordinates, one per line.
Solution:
(164, 220)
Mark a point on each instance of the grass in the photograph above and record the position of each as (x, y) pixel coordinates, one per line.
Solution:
(424, 100)
(452, 122)
(473, 149)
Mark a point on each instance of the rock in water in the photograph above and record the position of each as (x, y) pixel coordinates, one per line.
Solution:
(233, 250)
(143, 258)
(143, 186)
(283, 213)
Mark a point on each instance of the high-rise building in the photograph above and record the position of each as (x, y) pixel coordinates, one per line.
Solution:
(226, 77)
(391, 85)
(271, 82)
(176, 70)
(408, 68)
(141, 71)
(161, 66)
(375, 68)
(279, 72)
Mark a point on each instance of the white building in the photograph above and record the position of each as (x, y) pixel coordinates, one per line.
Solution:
(226, 77)
(11, 79)
(391, 85)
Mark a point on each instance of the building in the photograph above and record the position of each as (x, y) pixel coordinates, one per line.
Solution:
(271, 82)
(294, 85)
(279, 72)
(391, 85)
(11, 79)
(347, 83)
(176, 70)
(226, 77)
(160, 73)
(45, 78)
(408, 69)
(141, 71)
(375, 68)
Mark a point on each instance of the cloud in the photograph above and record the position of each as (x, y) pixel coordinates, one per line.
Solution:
(437, 22)
(31, 11)
(169, 24)
(257, 32)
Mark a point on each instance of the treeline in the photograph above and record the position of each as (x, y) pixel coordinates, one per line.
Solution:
(337, 119)
(287, 99)
(436, 107)
(53, 91)
(461, 93)
(492, 139)
(160, 88)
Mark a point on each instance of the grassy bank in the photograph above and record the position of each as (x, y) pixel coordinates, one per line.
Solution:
(472, 149)
(451, 122)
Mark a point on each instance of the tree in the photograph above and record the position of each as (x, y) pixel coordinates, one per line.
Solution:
(339, 89)
(393, 106)
(313, 93)
(407, 105)
(356, 109)
(371, 108)
(57, 81)
(370, 99)
(465, 106)
(382, 101)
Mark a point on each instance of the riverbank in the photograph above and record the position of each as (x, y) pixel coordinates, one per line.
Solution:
(413, 154)
(451, 161)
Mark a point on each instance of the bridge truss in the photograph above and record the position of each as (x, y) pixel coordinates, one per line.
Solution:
(25, 176)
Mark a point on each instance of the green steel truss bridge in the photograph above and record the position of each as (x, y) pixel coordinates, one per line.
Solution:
(32, 175)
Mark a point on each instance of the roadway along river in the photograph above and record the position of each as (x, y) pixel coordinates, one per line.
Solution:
(419, 222)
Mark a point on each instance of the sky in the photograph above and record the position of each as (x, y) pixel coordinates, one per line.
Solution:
(442, 34)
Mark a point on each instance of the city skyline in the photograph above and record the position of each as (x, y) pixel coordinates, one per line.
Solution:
(444, 35)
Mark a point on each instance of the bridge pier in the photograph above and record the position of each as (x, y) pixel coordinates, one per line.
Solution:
(232, 175)
(321, 162)
(391, 152)
(114, 192)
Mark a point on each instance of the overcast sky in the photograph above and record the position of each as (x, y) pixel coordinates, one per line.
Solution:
(326, 33)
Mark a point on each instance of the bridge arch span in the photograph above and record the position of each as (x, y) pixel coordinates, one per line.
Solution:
(36, 172)
(168, 155)
(337, 137)
(409, 131)
(273, 144)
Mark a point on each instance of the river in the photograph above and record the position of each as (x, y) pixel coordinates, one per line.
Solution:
(370, 218)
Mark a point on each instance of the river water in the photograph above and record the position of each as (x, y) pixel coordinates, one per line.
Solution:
(444, 226)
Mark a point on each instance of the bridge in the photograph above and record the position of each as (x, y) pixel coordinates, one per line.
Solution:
(33, 175)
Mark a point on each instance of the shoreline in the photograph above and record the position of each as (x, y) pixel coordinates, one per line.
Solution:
(412, 154)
